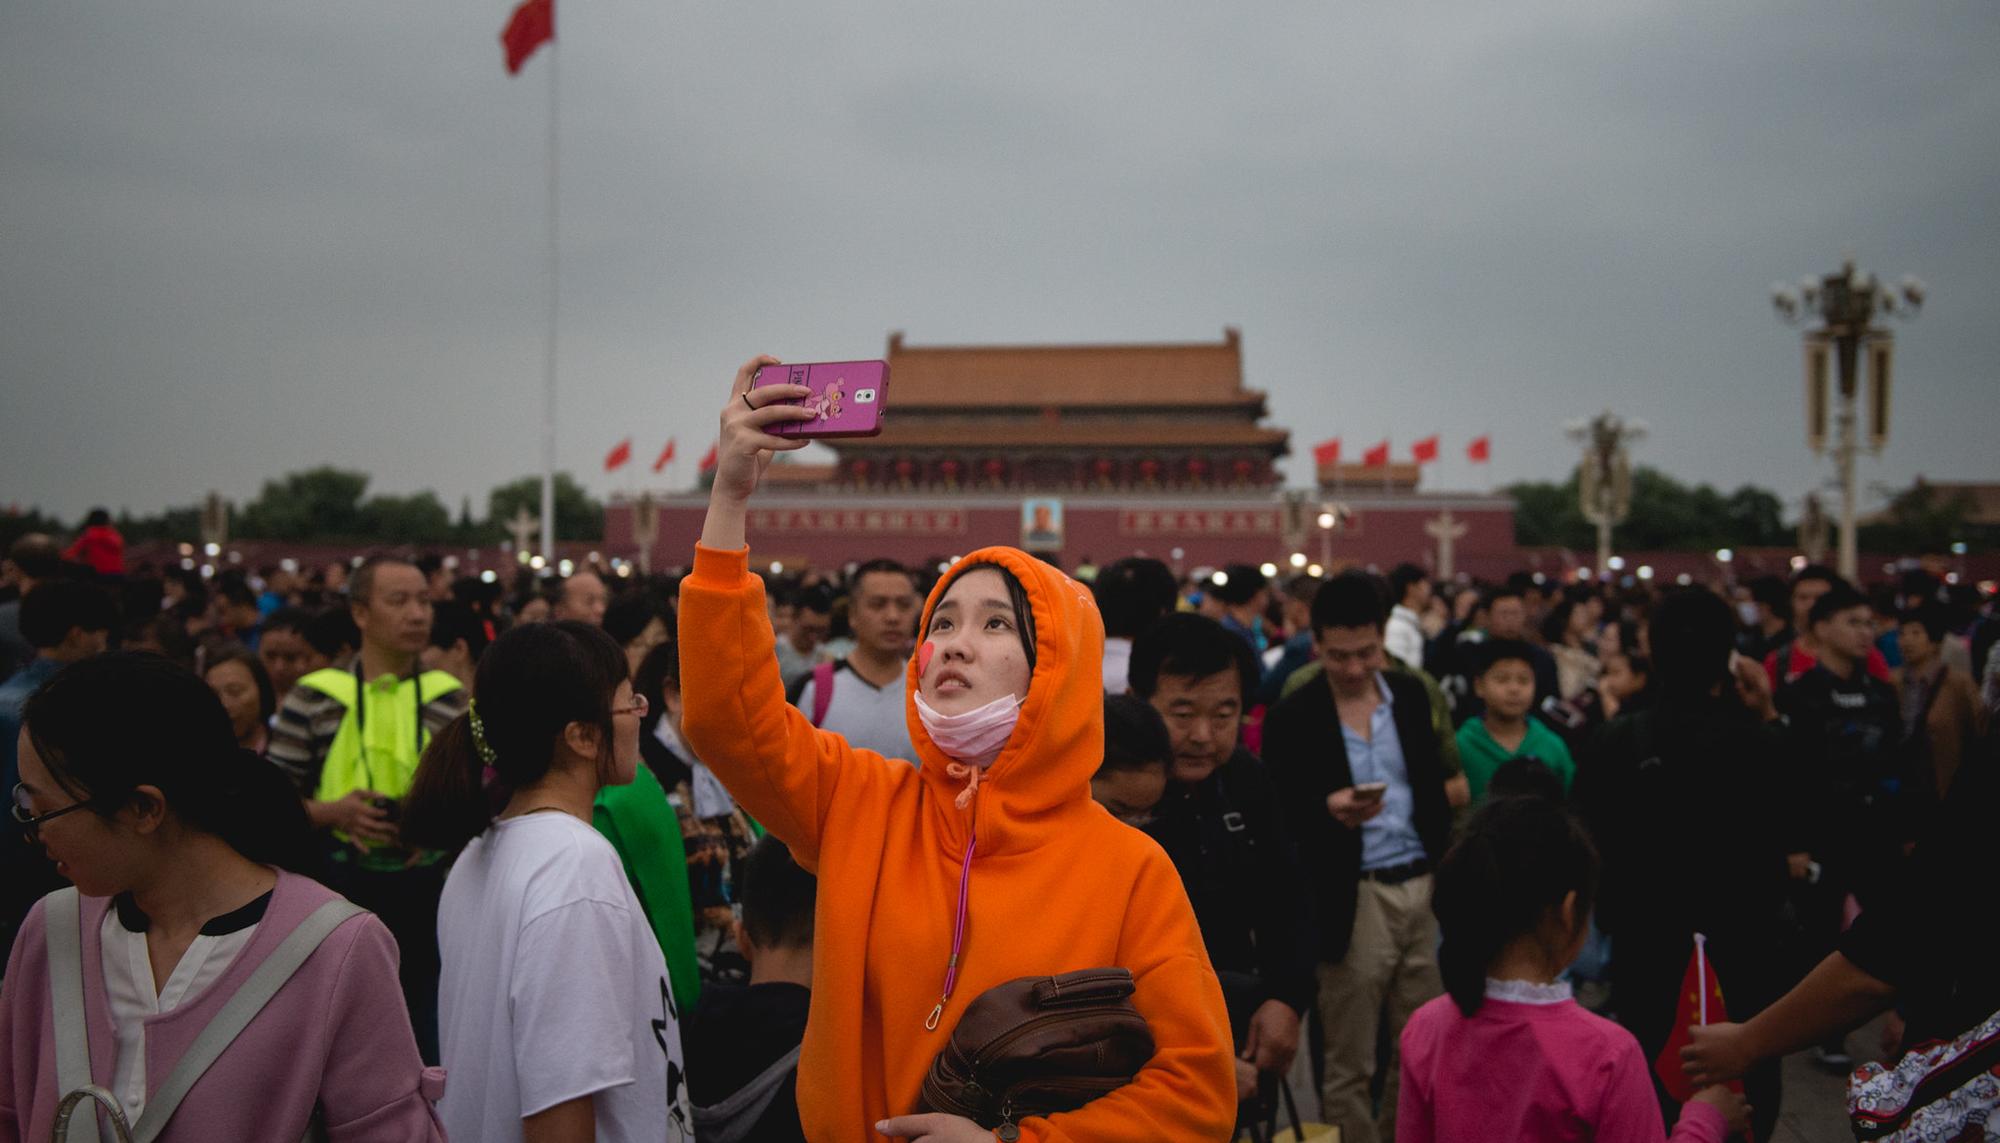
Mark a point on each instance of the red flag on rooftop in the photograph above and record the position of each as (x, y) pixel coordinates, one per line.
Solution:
(1700, 1003)
(1377, 457)
(708, 459)
(1480, 450)
(617, 457)
(532, 25)
(1327, 452)
(666, 455)
(1424, 451)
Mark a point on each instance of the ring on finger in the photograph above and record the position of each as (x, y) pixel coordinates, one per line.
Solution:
(747, 404)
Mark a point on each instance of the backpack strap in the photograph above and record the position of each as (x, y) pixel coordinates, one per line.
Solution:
(822, 692)
(62, 918)
(238, 1011)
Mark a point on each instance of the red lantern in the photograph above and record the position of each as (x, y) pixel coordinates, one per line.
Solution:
(1244, 468)
(1197, 467)
(948, 468)
(860, 469)
(1149, 468)
(1104, 467)
(905, 469)
(996, 469)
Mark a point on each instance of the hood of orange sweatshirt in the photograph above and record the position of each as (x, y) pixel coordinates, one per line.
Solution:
(1042, 775)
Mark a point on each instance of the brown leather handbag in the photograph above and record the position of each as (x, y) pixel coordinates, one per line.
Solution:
(1037, 1046)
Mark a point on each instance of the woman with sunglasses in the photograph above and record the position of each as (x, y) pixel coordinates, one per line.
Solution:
(190, 976)
(556, 1018)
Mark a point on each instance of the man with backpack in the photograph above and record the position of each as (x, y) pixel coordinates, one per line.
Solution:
(860, 697)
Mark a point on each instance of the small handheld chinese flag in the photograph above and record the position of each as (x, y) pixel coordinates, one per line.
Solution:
(1700, 1003)
(708, 459)
(666, 456)
(1327, 452)
(614, 459)
(1480, 450)
(1424, 451)
(1376, 457)
(532, 25)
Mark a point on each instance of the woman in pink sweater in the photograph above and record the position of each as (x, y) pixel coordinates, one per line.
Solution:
(1506, 1053)
(131, 779)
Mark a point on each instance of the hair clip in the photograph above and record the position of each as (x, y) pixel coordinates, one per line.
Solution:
(479, 744)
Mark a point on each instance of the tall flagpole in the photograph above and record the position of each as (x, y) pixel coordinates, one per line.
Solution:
(549, 379)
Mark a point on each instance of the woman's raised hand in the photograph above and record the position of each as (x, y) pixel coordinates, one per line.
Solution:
(745, 446)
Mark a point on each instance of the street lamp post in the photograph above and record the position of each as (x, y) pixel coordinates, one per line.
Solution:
(1844, 306)
(1604, 476)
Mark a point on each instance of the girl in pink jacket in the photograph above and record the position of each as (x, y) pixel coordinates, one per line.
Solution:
(186, 982)
(1506, 1053)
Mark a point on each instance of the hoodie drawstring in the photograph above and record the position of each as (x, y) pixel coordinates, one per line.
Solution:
(964, 892)
(970, 775)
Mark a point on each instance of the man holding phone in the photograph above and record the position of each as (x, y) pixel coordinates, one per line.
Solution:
(1363, 778)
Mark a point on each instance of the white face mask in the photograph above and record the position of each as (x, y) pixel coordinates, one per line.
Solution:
(975, 737)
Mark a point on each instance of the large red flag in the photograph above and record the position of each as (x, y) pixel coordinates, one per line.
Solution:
(532, 25)
(666, 455)
(1700, 1003)
(1480, 450)
(1327, 452)
(1424, 451)
(1376, 457)
(708, 459)
(616, 458)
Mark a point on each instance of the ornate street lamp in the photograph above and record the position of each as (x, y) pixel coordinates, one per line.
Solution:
(1604, 476)
(1844, 306)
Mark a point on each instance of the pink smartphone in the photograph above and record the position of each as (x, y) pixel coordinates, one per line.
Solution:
(847, 398)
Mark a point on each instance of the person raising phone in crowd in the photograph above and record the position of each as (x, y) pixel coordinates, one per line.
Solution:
(182, 848)
(985, 864)
(556, 1018)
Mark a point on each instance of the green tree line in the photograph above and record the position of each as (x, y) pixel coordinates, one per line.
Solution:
(332, 504)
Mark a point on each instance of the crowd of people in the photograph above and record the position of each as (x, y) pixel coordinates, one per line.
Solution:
(726, 856)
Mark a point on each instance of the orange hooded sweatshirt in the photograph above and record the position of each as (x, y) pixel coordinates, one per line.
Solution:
(1057, 884)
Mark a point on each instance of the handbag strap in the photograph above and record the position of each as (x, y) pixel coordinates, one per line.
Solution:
(238, 1011)
(1265, 1082)
(93, 1095)
(62, 919)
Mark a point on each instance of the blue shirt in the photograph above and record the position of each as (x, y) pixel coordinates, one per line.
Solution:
(1390, 837)
(14, 695)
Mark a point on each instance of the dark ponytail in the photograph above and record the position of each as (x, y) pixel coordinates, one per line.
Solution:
(111, 723)
(531, 684)
(1519, 857)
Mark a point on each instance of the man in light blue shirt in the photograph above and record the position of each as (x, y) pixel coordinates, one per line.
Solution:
(1362, 770)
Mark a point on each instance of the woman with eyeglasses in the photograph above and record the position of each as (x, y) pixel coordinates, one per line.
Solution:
(557, 1020)
(191, 977)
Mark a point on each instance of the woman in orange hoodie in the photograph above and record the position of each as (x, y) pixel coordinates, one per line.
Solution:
(939, 881)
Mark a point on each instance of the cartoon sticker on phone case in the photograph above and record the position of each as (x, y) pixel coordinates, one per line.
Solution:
(828, 405)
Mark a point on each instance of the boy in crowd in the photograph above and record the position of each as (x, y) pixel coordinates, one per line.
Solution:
(743, 1042)
(1504, 680)
(1137, 752)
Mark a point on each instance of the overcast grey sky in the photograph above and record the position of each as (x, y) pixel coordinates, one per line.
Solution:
(240, 238)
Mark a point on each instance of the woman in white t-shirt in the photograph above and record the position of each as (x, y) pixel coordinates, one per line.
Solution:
(557, 1023)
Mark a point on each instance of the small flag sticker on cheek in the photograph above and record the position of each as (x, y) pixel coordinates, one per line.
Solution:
(924, 654)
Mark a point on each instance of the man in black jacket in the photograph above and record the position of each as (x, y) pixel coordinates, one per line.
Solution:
(1357, 764)
(1220, 823)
